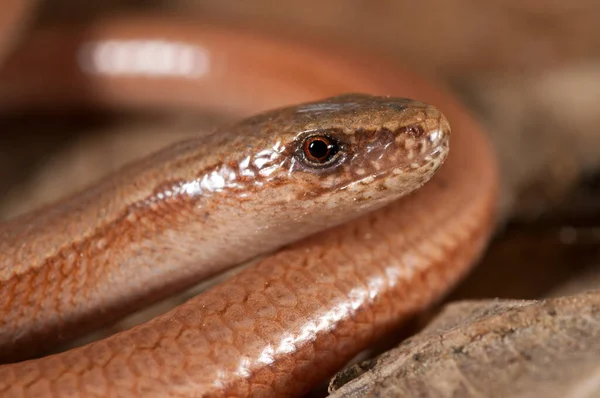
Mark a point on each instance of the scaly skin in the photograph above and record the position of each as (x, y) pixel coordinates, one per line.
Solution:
(290, 320)
(203, 205)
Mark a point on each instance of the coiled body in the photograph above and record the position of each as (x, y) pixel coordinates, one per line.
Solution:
(283, 324)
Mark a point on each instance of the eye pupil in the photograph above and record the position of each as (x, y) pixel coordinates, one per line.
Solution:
(318, 149)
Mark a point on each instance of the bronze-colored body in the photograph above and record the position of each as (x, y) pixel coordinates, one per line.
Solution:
(283, 324)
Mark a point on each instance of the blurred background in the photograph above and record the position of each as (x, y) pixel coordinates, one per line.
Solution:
(528, 71)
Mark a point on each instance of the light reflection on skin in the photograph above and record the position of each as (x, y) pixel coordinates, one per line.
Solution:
(325, 107)
(311, 329)
(225, 177)
(144, 58)
(403, 269)
(244, 169)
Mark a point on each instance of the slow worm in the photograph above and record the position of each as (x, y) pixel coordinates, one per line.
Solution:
(317, 183)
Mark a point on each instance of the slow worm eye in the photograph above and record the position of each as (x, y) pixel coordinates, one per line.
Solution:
(320, 149)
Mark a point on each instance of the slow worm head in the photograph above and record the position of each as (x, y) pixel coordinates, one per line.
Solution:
(338, 158)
